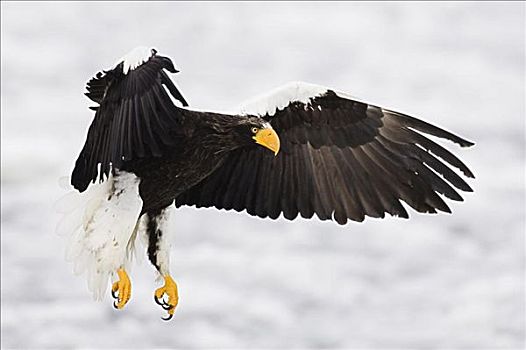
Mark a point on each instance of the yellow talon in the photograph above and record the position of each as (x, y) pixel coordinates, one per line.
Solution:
(121, 290)
(170, 289)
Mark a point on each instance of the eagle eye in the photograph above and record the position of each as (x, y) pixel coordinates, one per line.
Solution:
(254, 130)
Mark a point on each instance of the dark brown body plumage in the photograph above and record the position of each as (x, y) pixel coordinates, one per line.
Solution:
(164, 178)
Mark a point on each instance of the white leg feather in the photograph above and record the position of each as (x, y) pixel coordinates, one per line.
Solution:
(165, 242)
(100, 226)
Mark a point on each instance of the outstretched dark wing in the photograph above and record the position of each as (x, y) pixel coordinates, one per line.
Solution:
(134, 119)
(340, 159)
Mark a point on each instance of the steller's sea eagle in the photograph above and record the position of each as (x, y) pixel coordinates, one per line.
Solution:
(302, 150)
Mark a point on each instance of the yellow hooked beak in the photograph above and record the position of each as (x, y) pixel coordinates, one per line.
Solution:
(269, 139)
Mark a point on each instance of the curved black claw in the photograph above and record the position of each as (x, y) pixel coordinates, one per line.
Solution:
(158, 301)
(167, 318)
(115, 305)
(162, 303)
(167, 307)
(114, 294)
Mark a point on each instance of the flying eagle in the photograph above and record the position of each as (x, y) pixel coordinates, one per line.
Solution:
(300, 150)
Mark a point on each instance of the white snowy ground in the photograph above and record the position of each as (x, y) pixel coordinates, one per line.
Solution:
(443, 281)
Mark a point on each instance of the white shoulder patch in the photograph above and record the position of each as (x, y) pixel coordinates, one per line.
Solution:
(135, 58)
(100, 225)
(281, 97)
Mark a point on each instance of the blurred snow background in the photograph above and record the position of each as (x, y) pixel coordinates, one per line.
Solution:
(443, 281)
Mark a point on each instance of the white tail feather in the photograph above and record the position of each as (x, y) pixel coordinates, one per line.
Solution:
(99, 225)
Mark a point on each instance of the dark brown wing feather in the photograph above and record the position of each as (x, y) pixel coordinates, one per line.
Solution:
(340, 159)
(135, 118)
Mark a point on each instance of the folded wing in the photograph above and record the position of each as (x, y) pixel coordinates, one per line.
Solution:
(340, 159)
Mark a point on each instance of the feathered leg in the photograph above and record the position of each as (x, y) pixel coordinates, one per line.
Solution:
(101, 225)
(159, 255)
(121, 289)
